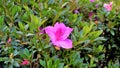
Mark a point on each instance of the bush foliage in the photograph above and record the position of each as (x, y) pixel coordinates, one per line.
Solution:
(95, 35)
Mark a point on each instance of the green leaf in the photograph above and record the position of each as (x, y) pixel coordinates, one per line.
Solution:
(67, 66)
(95, 34)
(22, 55)
(100, 47)
(43, 21)
(51, 1)
(74, 58)
(57, 62)
(112, 32)
(61, 65)
(35, 19)
(87, 29)
(16, 52)
(49, 63)
(10, 66)
(26, 52)
(15, 9)
(42, 62)
(21, 26)
(35, 4)
(99, 38)
(15, 63)
(25, 7)
(76, 31)
(75, 17)
(1, 20)
(3, 58)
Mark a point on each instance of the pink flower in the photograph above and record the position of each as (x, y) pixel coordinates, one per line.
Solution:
(76, 11)
(42, 31)
(9, 40)
(97, 5)
(58, 35)
(25, 62)
(108, 7)
(92, 0)
(90, 15)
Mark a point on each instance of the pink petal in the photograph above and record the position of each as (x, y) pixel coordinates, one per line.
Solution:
(42, 30)
(76, 11)
(104, 5)
(58, 35)
(108, 7)
(59, 25)
(50, 31)
(111, 3)
(92, 0)
(67, 44)
(67, 32)
(25, 62)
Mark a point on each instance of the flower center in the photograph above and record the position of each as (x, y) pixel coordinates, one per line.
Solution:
(58, 33)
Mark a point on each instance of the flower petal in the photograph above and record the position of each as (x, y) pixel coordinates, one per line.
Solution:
(59, 25)
(108, 7)
(50, 31)
(104, 5)
(67, 44)
(67, 32)
(111, 3)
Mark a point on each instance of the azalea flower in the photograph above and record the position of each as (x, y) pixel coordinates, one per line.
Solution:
(59, 35)
(108, 7)
(92, 0)
(42, 31)
(76, 11)
(90, 15)
(25, 62)
(97, 5)
(9, 40)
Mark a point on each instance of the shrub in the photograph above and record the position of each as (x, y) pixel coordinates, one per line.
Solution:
(25, 44)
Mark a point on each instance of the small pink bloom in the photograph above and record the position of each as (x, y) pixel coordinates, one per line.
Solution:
(90, 15)
(59, 35)
(42, 31)
(108, 7)
(9, 40)
(92, 0)
(97, 5)
(25, 62)
(76, 11)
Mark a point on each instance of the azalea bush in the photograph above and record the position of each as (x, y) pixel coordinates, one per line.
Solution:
(59, 34)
